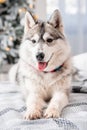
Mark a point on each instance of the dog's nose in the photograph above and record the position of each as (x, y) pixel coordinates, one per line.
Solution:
(40, 56)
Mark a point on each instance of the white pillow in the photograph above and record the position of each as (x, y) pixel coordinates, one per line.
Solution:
(79, 82)
(80, 61)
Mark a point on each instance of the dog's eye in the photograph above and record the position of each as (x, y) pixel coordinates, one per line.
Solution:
(33, 41)
(49, 40)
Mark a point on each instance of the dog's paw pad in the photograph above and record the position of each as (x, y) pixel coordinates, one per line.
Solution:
(32, 115)
(51, 113)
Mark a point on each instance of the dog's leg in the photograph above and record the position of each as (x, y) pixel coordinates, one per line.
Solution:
(34, 106)
(57, 103)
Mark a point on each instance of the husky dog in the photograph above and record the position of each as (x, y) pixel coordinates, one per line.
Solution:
(43, 71)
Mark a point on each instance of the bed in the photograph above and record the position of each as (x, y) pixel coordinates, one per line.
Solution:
(73, 117)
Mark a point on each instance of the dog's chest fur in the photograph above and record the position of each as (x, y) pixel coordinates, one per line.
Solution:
(32, 80)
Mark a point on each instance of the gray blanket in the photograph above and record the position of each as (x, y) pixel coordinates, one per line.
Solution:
(12, 109)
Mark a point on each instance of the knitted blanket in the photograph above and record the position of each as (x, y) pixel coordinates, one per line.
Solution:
(12, 109)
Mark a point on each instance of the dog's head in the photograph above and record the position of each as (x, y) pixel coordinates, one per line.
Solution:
(44, 44)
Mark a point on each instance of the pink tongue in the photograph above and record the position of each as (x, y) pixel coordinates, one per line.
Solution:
(42, 65)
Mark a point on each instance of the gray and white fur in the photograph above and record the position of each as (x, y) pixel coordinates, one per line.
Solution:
(38, 87)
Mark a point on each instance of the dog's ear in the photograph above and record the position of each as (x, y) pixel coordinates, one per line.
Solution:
(56, 21)
(29, 21)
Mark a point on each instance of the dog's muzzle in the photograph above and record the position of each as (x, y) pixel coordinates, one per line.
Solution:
(41, 63)
(40, 56)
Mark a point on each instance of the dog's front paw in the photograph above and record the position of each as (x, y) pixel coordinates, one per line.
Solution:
(51, 113)
(33, 114)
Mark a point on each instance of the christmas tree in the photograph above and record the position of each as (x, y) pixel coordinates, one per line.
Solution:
(11, 27)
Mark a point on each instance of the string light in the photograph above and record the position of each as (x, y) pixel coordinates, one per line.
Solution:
(11, 38)
(35, 17)
(22, 10)
(2, 1)
(32, 6)
(7, 49)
